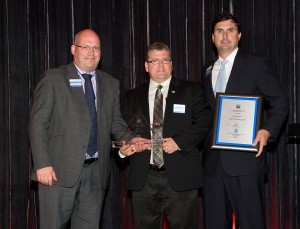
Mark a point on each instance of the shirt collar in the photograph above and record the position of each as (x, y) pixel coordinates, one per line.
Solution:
(82, 72)
(231, 57)
(153, 85)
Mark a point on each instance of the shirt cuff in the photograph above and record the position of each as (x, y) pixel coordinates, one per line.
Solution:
(121, 155)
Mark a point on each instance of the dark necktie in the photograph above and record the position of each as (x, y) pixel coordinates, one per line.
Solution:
(221, 80)
(90, 98)
(158, 127)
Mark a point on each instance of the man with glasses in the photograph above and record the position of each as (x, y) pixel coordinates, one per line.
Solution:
(166, 178)
(75, 111)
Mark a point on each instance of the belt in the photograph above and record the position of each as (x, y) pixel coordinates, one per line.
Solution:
(90, 160)
(155, 168)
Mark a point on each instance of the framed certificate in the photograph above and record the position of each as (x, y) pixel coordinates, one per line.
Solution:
(236, 122)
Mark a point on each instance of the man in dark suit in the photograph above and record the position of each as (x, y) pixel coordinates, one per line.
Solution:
(172, 186)
(234, 180)
(74, 113)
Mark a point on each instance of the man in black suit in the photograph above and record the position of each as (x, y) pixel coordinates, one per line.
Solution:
(234, 180)
(173, 186)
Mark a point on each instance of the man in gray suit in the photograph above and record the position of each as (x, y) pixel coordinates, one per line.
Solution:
(70, 144)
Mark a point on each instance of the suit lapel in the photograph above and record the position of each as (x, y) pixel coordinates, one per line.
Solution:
(143, 100)
(173, 89)
(208, 84)
(77, 91)
(236, 71)
(101, 87)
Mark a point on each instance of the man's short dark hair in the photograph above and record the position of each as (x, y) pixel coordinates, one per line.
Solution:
(157, 46)
(224, 17)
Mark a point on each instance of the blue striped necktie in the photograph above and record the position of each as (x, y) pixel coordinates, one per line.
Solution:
(90, 98)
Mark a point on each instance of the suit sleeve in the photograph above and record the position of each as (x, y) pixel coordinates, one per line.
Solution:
(43, 103)
(190, 136)
(118, 124)
(275, 98)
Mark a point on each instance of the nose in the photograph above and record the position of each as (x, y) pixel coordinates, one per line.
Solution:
(90, 53)
(91, 50)
(225, 35)
(160, 62)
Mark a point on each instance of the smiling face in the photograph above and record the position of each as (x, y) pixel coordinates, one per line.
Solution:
(226, 37)
(86, 60)
(159, 72)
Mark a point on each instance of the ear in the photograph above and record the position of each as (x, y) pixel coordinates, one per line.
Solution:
(146, 66)
(240, 35)
(73, 49)
(213, 38)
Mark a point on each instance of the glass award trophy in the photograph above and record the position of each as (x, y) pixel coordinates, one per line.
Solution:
(138, 127)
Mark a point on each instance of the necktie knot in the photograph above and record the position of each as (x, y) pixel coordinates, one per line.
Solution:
(159, 86)
(87, 76)
(224, 62)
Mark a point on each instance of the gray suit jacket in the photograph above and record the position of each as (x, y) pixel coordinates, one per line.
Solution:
(60, 124)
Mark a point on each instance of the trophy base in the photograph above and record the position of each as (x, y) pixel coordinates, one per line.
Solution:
(117, 145)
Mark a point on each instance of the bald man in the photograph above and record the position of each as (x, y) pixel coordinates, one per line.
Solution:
(70, 137)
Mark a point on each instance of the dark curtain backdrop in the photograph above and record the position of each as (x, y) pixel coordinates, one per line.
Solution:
(37, 34)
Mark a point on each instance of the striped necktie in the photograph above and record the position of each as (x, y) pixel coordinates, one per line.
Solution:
(158, 127)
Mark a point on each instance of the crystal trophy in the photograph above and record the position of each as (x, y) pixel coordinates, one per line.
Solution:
(138, 127)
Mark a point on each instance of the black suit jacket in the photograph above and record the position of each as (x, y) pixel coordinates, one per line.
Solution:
(250, 75)
(183, 168)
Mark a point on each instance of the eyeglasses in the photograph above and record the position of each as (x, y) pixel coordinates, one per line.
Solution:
(88, 48)
(157, 61)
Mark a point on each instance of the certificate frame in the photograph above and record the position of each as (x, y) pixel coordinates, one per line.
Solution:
(237, 119)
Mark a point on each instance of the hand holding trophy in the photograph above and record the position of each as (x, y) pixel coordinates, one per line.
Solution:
(135, 132)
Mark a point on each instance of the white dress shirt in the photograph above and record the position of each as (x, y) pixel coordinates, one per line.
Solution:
(228, 68)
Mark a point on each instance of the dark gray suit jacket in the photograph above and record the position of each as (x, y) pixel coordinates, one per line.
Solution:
(250, 75)
(188, 129)
(60, 124)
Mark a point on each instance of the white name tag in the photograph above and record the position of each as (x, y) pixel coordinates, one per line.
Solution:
(179, 108)
(75, 82)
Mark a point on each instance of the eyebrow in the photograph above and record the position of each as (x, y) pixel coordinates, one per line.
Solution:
(225, 28)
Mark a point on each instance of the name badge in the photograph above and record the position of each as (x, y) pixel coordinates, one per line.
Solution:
(179, 108)
(75, 82)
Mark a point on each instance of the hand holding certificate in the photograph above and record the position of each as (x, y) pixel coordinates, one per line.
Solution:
(236, 122)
